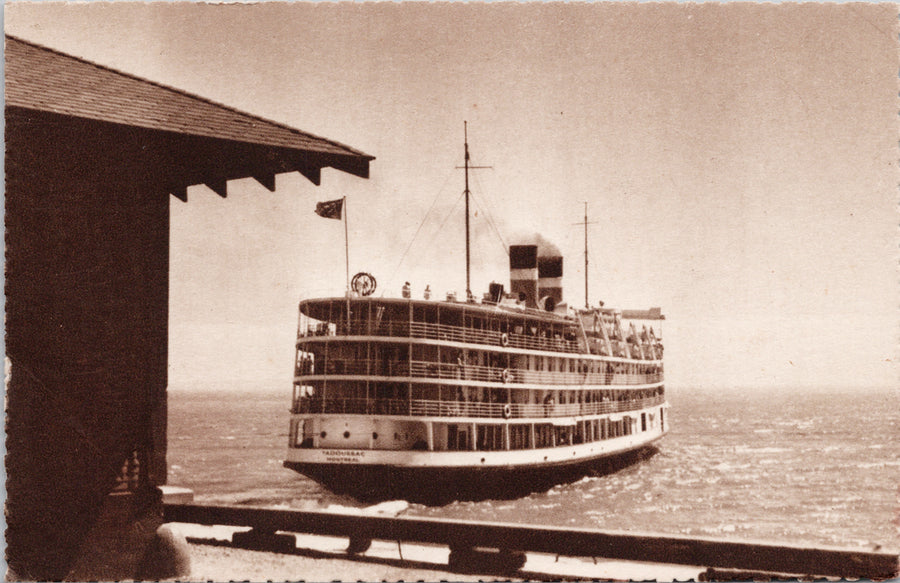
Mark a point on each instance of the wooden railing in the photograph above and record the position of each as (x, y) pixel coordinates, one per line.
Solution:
(746, 557)
(435, 408)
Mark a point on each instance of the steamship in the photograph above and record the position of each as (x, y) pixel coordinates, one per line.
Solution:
(436, 400)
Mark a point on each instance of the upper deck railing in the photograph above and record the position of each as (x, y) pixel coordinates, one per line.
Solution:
(419, 369)
(442, 332)
(524, 376)
(435, 408)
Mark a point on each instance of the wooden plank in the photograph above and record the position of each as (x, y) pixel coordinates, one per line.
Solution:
(313, 174)
(266, 180)
(220, 187)
(179, 192)
(458, 534)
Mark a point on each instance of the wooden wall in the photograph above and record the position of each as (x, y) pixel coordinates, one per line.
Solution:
(86, 334)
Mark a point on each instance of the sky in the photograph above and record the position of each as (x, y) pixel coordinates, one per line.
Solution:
(739, 162)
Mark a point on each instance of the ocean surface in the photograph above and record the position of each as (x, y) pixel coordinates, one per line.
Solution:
(797, 466)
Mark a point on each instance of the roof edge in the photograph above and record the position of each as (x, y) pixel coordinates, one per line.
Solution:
(191, 95)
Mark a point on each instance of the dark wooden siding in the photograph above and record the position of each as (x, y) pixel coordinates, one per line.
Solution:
(86, 331)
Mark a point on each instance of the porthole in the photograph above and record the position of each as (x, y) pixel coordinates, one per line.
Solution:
(374, 435)
(346, 435)
(323, 434)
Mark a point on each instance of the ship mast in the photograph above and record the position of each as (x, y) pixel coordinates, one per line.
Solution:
(466, 146)
(587, 303)
(467, 167)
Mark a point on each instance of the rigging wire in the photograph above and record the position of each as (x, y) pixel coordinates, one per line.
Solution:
(450, 214)
(447, 218)
(592, 264)
(416, 234)
(490, 222)
(481, 205)
(486, 209)
(428, 243)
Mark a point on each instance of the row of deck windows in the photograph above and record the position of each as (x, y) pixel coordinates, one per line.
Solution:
(533, 435)
(484, 436)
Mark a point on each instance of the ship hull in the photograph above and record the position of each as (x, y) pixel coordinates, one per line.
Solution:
(437, 485)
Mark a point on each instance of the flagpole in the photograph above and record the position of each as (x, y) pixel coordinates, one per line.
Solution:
(346, 243)
(346, 259)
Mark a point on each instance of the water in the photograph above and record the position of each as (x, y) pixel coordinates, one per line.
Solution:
(776, 465)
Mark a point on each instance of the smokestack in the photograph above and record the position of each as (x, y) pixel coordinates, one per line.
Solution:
(550, 272)
(523, 273)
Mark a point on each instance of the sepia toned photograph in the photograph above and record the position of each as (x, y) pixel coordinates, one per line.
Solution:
(537, 291)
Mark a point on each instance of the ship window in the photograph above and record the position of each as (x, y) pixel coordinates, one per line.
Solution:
(564, 435)
(425, 352)
(519, 436)
(490, 437)
(426, 392)
(643, 422)
(543, 435)
(457, 437)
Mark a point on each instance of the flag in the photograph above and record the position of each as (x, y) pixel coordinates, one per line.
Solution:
(330, 209)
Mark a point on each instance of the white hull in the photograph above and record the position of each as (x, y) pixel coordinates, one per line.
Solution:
(519, 458)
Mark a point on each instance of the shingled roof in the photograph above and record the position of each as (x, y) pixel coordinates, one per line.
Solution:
(46, 80)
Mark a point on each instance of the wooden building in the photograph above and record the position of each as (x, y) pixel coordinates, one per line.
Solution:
(92, 156)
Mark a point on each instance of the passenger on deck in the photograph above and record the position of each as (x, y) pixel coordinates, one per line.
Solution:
(407, 292)
(427, 291)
